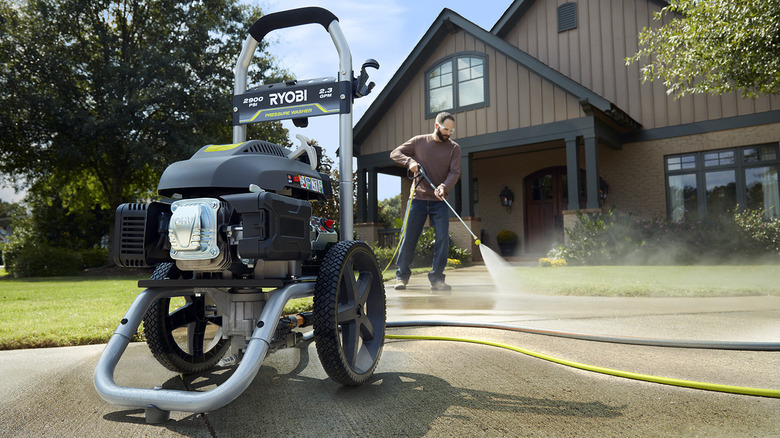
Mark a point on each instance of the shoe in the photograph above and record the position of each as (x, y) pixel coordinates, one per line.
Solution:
(400, 284)
(440, 285)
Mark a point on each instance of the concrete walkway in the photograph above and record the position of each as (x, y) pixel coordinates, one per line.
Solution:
(447, 389)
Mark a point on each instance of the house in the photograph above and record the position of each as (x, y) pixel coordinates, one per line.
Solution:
(546, 108)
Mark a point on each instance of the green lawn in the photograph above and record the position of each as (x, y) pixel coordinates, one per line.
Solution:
(55, 312)
(48, 312)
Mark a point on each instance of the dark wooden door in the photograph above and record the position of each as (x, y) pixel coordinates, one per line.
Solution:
(545, 200)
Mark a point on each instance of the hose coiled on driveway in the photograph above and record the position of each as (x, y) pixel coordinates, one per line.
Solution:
(750, 346)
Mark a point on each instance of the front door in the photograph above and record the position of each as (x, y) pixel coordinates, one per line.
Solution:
(546, 196)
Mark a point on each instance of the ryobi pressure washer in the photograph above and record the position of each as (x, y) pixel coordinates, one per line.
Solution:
(236, 239)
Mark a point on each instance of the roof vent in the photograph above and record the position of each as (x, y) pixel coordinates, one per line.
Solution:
(567, 16)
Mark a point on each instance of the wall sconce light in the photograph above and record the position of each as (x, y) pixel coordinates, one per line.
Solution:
(507, 198)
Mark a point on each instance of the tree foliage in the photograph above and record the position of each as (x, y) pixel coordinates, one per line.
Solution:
(99, 97)
(714, 46)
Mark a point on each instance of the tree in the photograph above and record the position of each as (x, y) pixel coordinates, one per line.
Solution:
(714, 46)
(99, 97)
(390, 211)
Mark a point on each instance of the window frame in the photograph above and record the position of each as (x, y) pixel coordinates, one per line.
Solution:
(704, 163)
(453, 60)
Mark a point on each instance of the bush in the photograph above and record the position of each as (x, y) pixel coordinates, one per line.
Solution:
(506, 236)
(613, 239)
(43, 261)
(383, 255)
(602, 238)
(423, 254)
(94, 257)
(765, 233)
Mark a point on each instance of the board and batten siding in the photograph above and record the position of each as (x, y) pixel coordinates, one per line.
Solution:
(594, 55)
(518, 98)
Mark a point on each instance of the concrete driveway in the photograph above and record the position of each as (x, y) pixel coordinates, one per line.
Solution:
(448, 389)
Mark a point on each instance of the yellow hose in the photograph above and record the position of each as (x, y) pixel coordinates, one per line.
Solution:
(626, 374)
(403, 229)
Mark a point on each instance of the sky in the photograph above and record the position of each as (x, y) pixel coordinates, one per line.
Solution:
(386, 31)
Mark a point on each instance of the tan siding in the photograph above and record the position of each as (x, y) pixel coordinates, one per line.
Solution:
(596, 49)
(583, 37)
(489, 122)
(541, 35)
(559, 100)
(594, 55)
(525, 97)
(551, 32)
(501, 101)
(619, 53)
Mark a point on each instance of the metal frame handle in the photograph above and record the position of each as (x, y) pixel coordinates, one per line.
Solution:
(297, 17)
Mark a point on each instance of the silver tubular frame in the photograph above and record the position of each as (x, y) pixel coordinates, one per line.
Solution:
(345, 119)
(190, 401)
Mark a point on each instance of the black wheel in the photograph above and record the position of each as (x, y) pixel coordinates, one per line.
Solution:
(349, 313)
(184, 333)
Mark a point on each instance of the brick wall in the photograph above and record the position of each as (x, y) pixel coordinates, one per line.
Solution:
(635, 174)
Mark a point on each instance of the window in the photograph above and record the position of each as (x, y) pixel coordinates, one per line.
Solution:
(715, 182)
(457, 84)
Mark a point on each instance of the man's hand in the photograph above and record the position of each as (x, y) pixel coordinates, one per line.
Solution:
(439, 192)
(413, 167)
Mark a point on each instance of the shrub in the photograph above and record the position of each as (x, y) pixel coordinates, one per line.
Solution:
(612, 238)
(506, 236)
(94, 257)
(602, 238)
(423, 254)
(764, 233)
(383, 255)
(44, 261)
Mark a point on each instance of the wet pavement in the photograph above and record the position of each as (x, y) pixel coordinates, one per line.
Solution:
(442, 388)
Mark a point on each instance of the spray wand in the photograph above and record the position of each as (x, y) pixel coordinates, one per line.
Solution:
(425, 175)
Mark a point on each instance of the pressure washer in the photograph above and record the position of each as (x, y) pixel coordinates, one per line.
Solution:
(235, 239)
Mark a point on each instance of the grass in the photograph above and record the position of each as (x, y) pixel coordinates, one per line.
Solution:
(38, 312)
(50, 312)
(64, 311)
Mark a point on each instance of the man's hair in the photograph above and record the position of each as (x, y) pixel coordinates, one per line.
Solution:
(442, 116)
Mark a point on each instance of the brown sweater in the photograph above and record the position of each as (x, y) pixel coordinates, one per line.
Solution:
(441, 161)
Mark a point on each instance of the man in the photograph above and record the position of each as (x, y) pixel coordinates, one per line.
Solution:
(439, 157)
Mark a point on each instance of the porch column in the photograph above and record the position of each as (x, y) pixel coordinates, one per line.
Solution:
(467, 209)
(592, 169)
(360, 214)
(373, 204)
(573, 172)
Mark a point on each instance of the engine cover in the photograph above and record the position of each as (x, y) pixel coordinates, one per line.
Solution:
(274, 227)
(193, 233)
(192, 230)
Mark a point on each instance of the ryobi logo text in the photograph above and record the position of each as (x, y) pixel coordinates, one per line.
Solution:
(288, 97)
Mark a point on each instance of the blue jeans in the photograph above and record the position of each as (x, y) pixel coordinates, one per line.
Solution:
(440, 220)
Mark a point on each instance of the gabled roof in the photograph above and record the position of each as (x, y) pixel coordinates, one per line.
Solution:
(449, 21)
